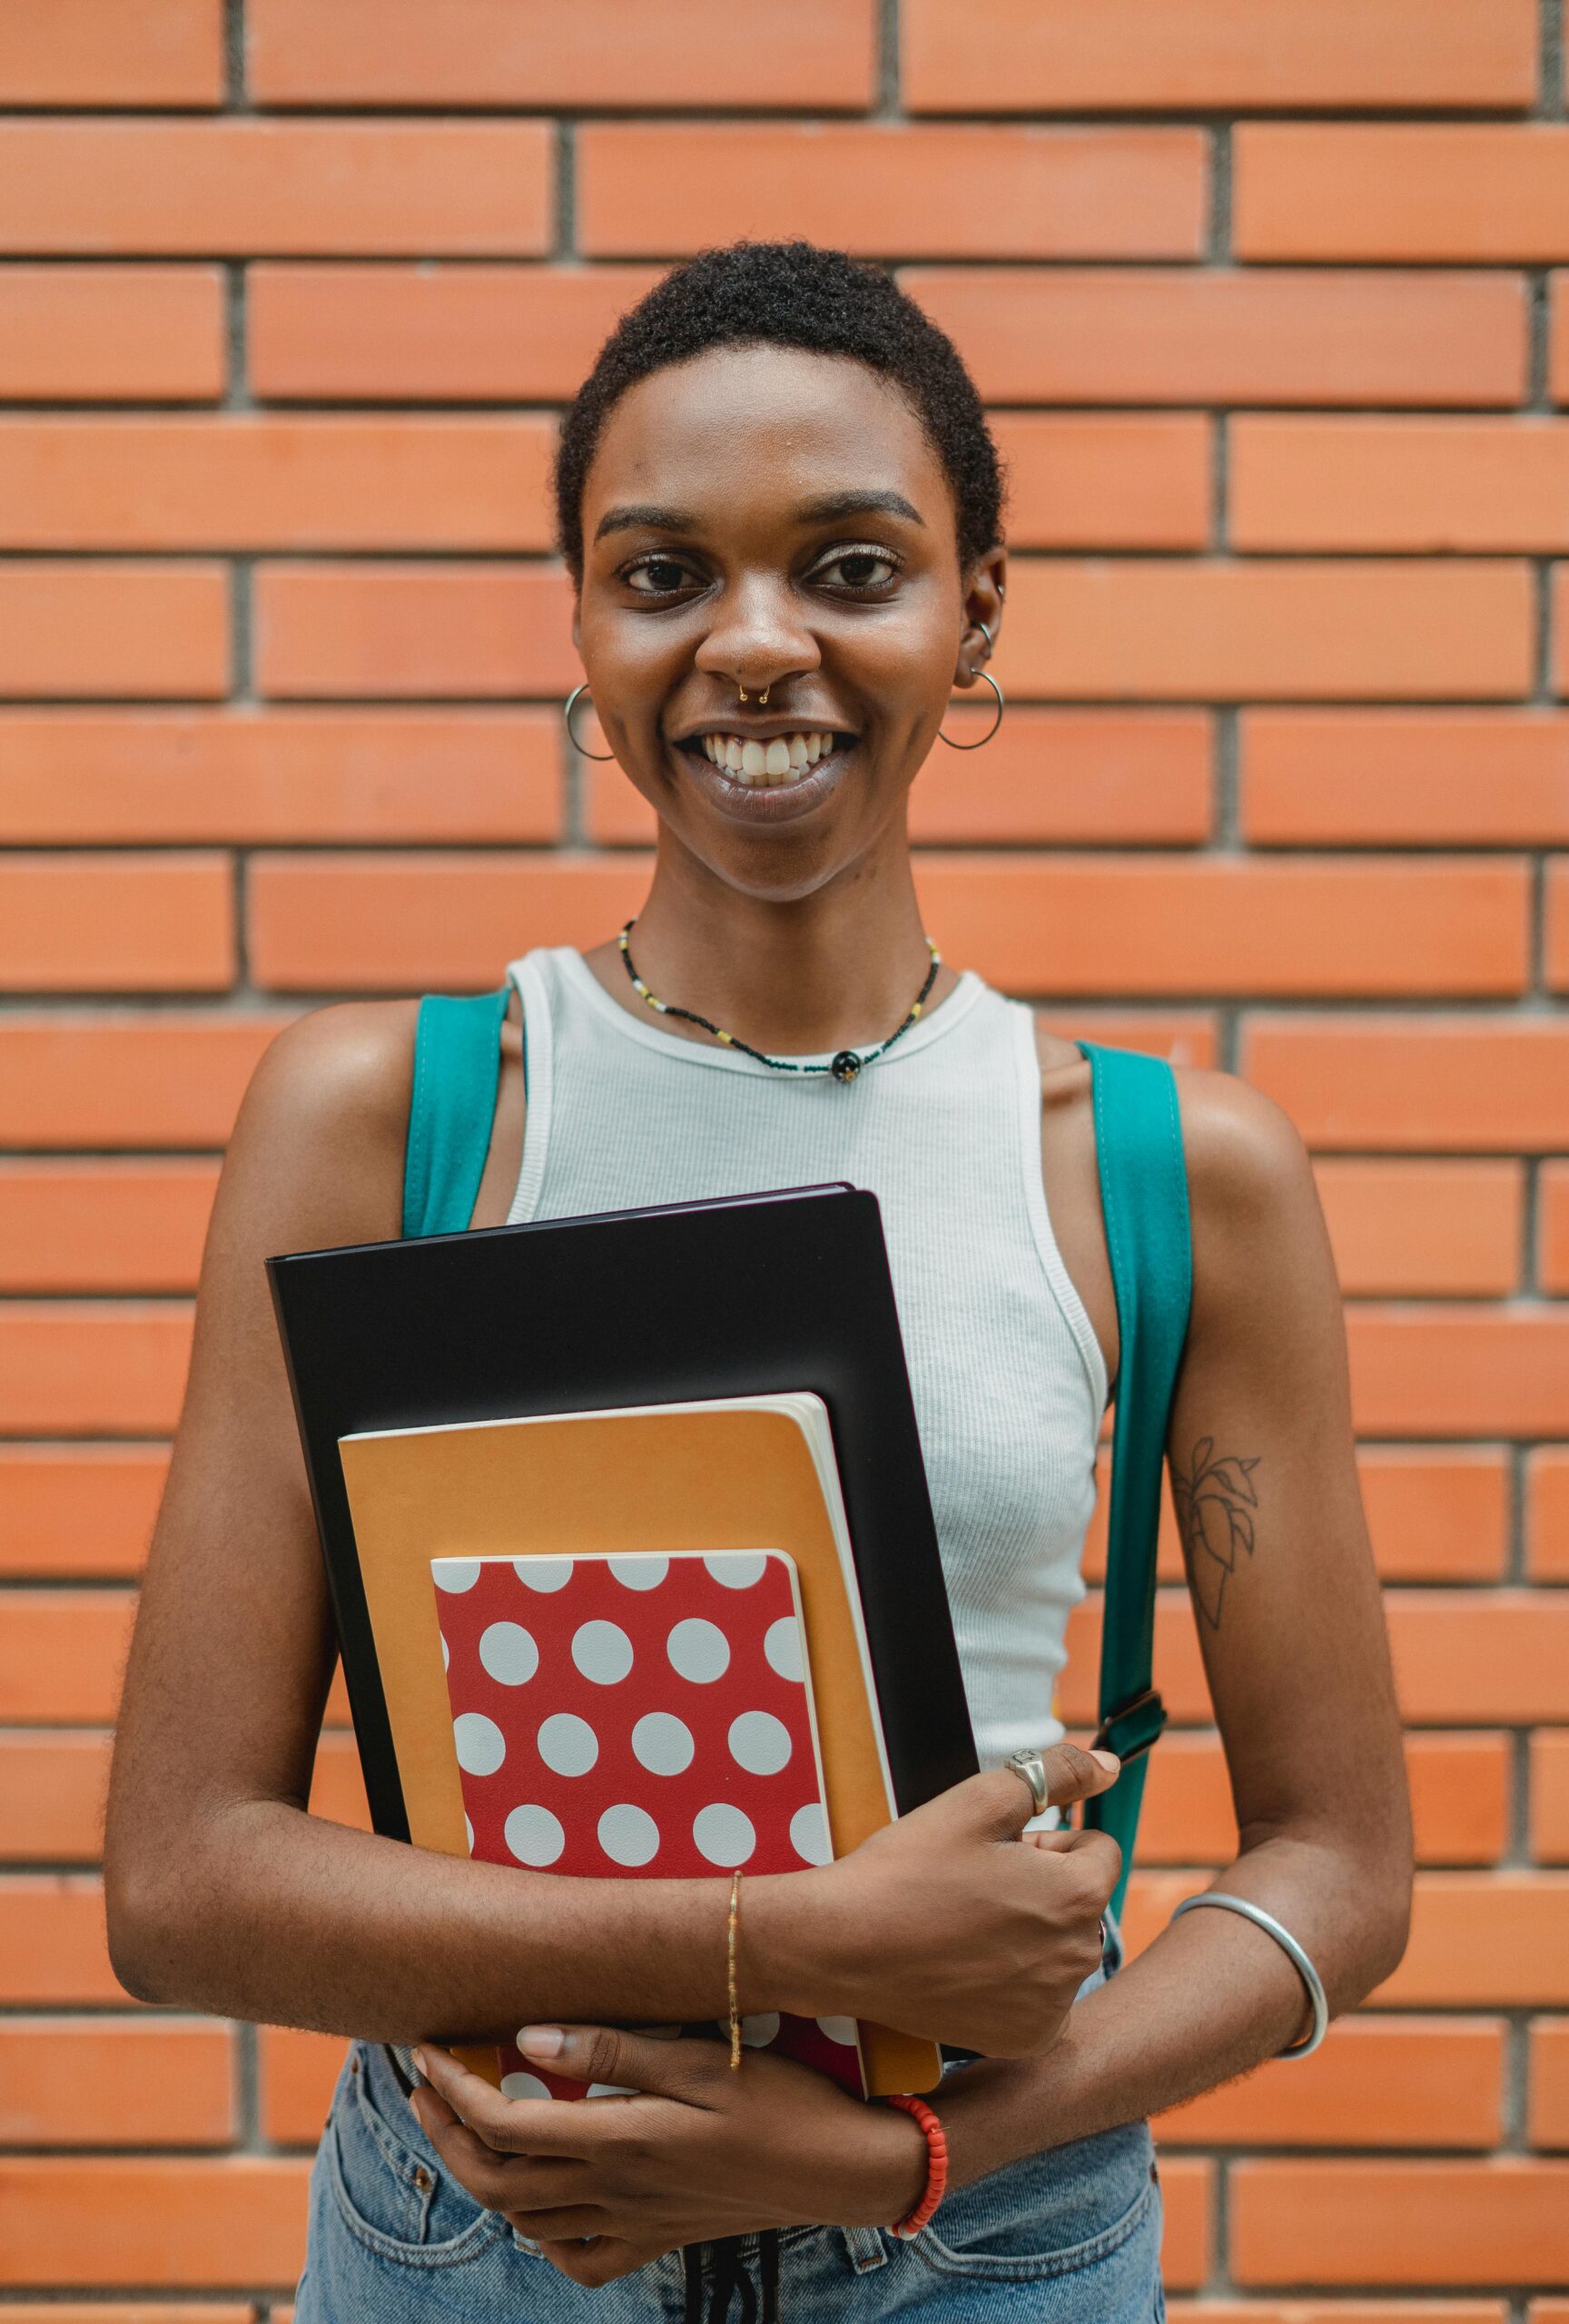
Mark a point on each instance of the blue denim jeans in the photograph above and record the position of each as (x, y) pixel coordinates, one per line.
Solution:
(1072, 2236)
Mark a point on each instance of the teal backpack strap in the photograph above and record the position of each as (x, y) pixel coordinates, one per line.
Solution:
(1144, 1201)
(457, 1072)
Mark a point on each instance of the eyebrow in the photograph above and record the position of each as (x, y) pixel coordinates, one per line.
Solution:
(828, 510)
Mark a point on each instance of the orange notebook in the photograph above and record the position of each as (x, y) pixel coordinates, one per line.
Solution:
(735, 1474)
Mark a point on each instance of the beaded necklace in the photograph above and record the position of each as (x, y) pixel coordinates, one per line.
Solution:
(843, 1065)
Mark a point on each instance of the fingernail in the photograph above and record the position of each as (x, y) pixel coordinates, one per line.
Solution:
(419, 2058)
(540, 2041)
(1107, 1759)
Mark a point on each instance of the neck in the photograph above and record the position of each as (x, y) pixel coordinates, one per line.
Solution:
(837, 969)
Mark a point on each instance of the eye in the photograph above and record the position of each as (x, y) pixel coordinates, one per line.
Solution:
(861, 571)
(658, 576)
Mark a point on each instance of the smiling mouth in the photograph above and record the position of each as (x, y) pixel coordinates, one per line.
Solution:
(774, 765)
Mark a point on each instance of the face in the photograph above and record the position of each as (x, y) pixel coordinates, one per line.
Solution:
(767, 517)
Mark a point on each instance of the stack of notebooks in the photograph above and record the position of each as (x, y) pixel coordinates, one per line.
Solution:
(593, 1634)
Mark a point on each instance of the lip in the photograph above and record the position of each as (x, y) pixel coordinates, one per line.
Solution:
(759, 730)
(781, 803)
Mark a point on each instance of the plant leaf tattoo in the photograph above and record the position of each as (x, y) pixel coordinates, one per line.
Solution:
(1215, 1505)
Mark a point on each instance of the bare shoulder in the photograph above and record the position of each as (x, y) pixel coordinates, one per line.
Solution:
(1248, 1170)
(318, 1145)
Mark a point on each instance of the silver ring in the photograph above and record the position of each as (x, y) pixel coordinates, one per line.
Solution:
(1030, 1767)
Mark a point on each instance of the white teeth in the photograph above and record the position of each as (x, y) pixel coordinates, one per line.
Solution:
(761, 765)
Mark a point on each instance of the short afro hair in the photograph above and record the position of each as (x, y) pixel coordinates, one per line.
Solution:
(791, 294)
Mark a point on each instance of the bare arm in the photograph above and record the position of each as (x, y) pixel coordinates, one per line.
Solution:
(1287, 1602)
(225, 1894)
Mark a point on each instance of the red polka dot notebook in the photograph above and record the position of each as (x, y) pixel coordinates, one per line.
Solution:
(643, 1714)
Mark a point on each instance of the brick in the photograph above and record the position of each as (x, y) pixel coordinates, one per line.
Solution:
(92, 1368)
(1220, 925)
(1555, 960)
(433, 333)
(1125, 627)
(1460, 1371)
(1549, 2082)
(1459, 1797)
(131, 778)
(1431, 485)
(1552, 1227)
(96, 334)
(62, 1655)
(1019, 55)
(77, 1225)
(1056, 775)
(1472, 1084)
(237, 2222)
(80, 1512)
(1106, 479)
(649, 190)
(1490, 192)
(1461, 1656)
(1549, 1791)
(1436, 1513)
(52, 1794)
(1547, 1513)
(401, 631)
(53, 1947)
(1174, 335)
(143, 631)
(169, 1076)
(147, 924)
(96, 52)
(282, 188)
(693, 52)
(1389, 778)
(1340, 2311)
(1381, 2222)
(1416, 2081)
(1188, 2197)
(1054, 925)
(382, 924)
(1420, 1226)
(1493, 1939)
(245, 483)
(138, 2082)
(97, 2311)
(1185, 1036)
(298, 2074)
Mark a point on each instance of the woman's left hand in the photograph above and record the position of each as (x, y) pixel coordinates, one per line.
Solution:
(693, 2150)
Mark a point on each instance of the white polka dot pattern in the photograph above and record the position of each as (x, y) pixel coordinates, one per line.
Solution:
(641, 1716)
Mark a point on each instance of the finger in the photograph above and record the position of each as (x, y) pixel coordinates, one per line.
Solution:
(509, 2126)
(1097, 1857)
(615, 2062)
(602, 2260)
(1005, 1802)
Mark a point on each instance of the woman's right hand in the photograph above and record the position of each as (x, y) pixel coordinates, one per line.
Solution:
(944, 1924)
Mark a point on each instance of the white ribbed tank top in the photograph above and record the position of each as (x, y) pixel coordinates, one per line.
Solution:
(1008, 1377)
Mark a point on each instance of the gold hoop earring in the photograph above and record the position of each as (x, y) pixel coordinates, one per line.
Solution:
(568, 708)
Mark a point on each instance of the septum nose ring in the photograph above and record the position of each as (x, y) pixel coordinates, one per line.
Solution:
(763, 697)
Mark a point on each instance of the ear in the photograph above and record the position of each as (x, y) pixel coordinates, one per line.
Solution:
(983, 595)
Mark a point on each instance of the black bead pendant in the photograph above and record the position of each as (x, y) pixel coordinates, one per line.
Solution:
(846, 1066)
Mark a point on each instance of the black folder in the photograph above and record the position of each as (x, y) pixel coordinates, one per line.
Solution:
(757, 1295)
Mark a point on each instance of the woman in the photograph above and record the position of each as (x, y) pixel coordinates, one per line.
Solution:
(780, 506)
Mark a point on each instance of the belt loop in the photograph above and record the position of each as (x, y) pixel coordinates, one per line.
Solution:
(865, 2248)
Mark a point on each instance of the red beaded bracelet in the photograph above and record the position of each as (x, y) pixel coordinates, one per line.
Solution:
(936, 2166)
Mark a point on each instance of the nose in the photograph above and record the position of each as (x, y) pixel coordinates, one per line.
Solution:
(757, 637)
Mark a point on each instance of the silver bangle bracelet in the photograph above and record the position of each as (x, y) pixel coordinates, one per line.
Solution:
(1292, 1950)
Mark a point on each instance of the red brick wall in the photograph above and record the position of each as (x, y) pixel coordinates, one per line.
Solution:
(1263, 291)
